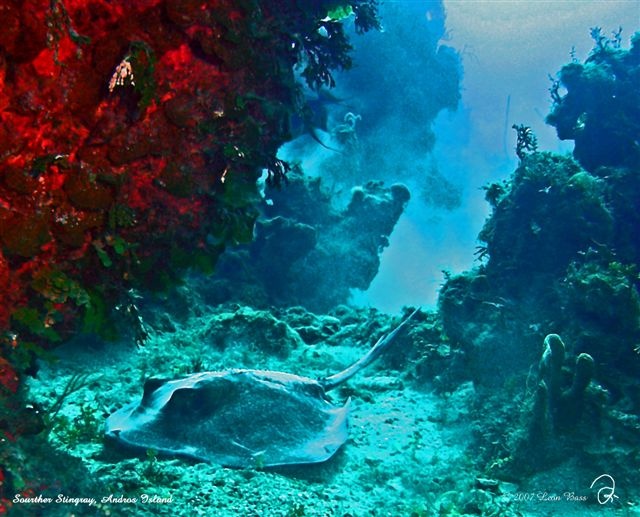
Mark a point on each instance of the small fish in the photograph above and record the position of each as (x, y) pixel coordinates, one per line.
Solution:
(314, 116)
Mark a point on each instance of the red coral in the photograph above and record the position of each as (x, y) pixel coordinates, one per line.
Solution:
(8, 376)
(129, 133)
(73, 151)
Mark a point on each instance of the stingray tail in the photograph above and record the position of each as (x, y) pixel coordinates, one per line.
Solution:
(383, 343)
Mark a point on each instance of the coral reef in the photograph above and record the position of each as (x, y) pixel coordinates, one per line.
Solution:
(164, 116)
(150, 168)
(302, 241)
(600, 295)
(521, 234)
(573, 277)
(599, 110)
(132, 137)
(403, 98)
(382, 117)
(578, 277)
(558, 256)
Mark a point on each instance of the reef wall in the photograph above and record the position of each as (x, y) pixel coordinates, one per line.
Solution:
(306, 250)
(560, 257)
(559, 252)
(132, 138)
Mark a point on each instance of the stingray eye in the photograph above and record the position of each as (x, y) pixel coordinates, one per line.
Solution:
(318, 391)
(152, 385)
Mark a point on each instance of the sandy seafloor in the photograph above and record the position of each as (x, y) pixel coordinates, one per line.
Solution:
(408, 453)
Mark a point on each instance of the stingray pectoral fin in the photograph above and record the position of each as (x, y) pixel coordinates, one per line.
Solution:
(340, 426)
(119, 420)
(332, 438)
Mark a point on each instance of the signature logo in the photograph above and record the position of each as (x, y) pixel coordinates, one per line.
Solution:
(606, 494)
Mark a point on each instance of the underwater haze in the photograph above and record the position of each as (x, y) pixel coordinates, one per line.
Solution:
(507, 50)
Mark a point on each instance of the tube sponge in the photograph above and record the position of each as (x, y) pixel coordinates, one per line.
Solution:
(562, 390)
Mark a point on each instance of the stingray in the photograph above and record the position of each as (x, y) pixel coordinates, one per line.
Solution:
(241, 418)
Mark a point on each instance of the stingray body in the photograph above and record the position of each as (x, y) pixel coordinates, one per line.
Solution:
(241, 418)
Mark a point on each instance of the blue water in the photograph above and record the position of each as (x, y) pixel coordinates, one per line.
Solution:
(507, 50)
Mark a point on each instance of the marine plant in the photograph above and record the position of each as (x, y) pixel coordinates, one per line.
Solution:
(526, 141)
(85, 427)
(75, 383)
